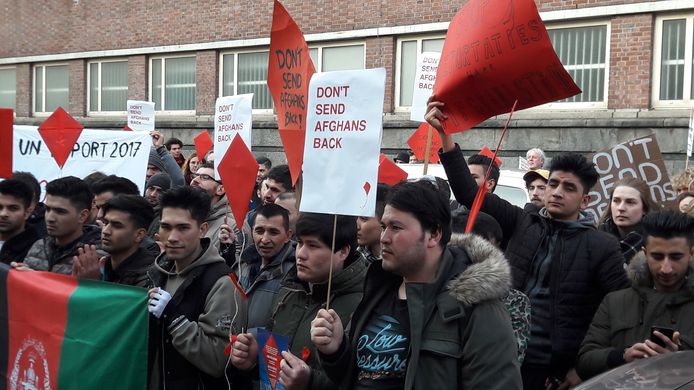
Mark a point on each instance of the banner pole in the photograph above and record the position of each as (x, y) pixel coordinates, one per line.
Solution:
(686, 163)
(330, 273)
(427, 151)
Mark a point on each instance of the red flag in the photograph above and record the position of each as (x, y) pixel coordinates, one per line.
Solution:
(493, 55)
(238, 170)
(203, 144)
(289, 72)
(488, 153)
(126, 128)
(418, 143)
(6, 140)
(389, 172)
(60, 132)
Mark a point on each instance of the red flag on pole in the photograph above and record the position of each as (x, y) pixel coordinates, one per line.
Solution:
(418, 143)
(6, 142)
(60, 132)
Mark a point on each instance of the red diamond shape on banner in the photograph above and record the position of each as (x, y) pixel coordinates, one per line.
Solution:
(238, 170)
(6, 140)
(203, 144)
(389, 172)
(418, 143)
(60, 132)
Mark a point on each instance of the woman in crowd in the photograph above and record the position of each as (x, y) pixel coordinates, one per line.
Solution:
(191, 165)
(685, 203)
(630, 200)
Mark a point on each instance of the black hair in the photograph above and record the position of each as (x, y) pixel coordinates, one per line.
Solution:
(272, 210)
(74, 189)
(321, 225)
(17, 189)
(381, 195)
(668, 224)
(138, 209)
(485, 225)
(579, 166)
(116, 185)
(264, 161)
(92, 178)
(485, 162)
(281, 175)
(30, 180)
(206, 164)
(172, 141)
(426, 203)
(195, 200)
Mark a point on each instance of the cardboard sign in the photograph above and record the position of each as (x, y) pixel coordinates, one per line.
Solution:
(232, 115)
(343, 140)
(270, 347)
(289, 72)
(494, 53)
(140, 115)
(690, 134)
(424, 78)
(6, 119)
(418, 143)
(122, 153)
(640, 158)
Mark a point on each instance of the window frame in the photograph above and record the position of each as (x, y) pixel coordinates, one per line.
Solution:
(44, 65)
(14, 109)
(163, 85)
(236, 53)
(88, 102)
(688, 80)
(398, 63)
(320, 47)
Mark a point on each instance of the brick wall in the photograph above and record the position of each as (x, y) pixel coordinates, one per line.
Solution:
(380, 53)
(77, 86)
(24, 90)
(630, 61)
(206, 84)
(137, 78)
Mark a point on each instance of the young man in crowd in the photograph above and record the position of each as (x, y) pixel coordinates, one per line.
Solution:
(304, 292)
(192, 298)
(635, 323)
(557, 257)
(278, 180)
(287, 200)
(443, 318)
(68, 208)
(264, 166)
(107, 188)
(536, 184)
(369, 228)
(16, 237)
(37, 220)
(478, 165)
(175, 148)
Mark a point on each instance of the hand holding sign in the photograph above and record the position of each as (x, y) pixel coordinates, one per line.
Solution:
(140, 115)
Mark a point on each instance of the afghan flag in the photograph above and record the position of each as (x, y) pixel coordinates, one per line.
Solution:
(59, 332)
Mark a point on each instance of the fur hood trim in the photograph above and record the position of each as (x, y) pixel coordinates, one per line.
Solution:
(487, 277)
(640, 275)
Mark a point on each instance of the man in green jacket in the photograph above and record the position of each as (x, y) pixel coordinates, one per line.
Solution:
(661, 296)
(431, 317)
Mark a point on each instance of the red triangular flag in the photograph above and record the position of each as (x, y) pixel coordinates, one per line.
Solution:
(203, 144)
(389, 173)
(418, 143)
(289, 71)
(238, 170)
(488, 153)
(6, 140)
(60, 132)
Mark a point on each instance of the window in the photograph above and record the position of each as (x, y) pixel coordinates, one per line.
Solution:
(247, 73)
(51, 87)
(583, 51)
(673, 69)
(108, 86)
(172, 83)
(408, 49)
(338, 57)
(8, 88)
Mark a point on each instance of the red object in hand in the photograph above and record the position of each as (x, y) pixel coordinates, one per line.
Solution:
(227, 349)
(305, 354)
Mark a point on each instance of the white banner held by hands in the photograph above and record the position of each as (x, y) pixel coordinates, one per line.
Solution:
(140, 115)
(232, 115)
(343, 140)
(424, 78)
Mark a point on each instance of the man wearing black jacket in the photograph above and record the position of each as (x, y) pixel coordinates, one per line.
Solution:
(557, 257)
(16, 237)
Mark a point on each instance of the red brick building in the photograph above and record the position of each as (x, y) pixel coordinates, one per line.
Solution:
(632, 58)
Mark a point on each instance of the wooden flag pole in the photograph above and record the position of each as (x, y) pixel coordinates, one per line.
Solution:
(330, 273)
(427, 151)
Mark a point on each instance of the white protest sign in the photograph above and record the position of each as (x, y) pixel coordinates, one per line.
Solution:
(232, 115)
(122, 153)
(140, 115)
(424, 78)
(690, 135)
(343, 140)
(523, 163)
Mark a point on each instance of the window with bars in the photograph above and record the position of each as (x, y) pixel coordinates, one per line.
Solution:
(108, 86)
(51, 88)
(409, 49)
(172, 83)
(8, 88)
(673, 61)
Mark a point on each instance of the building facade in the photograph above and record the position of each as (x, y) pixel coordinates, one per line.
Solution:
(633, 59)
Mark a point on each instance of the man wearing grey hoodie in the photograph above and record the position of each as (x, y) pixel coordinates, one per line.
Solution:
(160, 160)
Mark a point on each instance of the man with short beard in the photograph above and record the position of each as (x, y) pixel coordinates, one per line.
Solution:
(16, 237)
(536, 184)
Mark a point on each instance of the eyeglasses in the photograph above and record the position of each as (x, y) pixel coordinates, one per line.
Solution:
(203, 177)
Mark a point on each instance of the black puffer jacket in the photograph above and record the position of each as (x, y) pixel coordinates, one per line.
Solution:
(590, 263)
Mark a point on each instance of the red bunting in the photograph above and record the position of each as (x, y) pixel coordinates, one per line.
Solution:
(496, 53)
(388, 172)
(488, 153)
(238, 170)
(203, 144)
(60, 132)
(6, 140)
(289, 71)
(418, 143)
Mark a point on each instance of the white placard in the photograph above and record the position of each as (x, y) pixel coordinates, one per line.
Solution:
(140, 115)
(343, 140)
(232, 115)
(424, 78)
(122, 153)
(690, 135)
(523, 164)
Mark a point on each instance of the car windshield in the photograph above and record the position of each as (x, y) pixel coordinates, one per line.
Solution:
(514, 195)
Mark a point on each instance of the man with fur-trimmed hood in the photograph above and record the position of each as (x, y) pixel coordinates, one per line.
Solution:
(431, 316)
(636, 323)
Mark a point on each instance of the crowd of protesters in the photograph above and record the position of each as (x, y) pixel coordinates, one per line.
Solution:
(536, 297)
